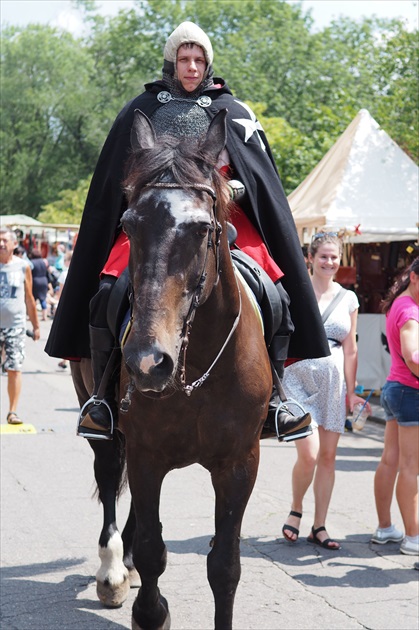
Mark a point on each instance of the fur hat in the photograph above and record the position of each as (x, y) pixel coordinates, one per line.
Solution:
(188, 33)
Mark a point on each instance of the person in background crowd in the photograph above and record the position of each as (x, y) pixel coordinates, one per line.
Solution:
(400, 400)
(52, 300)
(63, 275)
(16, 300)
(59, 263)
(56, 257)
(40, 280)
(63, 364)
(323, 384)
(20, 251)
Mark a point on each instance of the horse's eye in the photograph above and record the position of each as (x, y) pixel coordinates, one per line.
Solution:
(202, 231)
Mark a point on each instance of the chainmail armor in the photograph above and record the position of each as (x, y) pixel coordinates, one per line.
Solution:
(181, 117)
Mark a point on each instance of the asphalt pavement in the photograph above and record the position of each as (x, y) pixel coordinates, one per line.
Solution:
(50, 526)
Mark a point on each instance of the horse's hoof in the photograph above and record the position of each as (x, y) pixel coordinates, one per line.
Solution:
(134, 578)
(165, 626)
(113, 596)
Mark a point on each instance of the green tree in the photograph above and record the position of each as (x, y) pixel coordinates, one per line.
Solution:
(398, 104)
(68, 207)
(294, 153)
(48, 136)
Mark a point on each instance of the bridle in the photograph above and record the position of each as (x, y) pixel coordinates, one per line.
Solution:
(196, 296)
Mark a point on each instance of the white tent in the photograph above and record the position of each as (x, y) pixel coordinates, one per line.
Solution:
(364, 180)
(52, 232)
(18, 220)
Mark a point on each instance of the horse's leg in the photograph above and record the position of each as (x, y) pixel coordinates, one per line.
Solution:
(128, 539)
(233, 486)
(112, 581)
(112, 578)
(150, 610)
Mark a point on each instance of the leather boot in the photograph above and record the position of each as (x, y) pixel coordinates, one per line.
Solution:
(284, 423)
(280, 419)
(99, 414)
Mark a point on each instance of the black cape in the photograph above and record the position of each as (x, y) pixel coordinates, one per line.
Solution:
(265, 204)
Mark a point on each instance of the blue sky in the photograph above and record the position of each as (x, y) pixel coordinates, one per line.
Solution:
(60, 12)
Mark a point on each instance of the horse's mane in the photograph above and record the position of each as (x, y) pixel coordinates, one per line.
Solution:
(182, 162)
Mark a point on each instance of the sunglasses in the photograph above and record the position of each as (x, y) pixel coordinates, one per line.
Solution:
(321, 234)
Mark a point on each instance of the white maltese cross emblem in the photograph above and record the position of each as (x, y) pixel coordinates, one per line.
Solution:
(251, 125)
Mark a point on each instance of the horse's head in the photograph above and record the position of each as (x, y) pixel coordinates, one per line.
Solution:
(176, 206)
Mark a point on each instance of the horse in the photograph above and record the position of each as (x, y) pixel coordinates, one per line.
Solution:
(195, 372)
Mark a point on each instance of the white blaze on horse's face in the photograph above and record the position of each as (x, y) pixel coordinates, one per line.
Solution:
(170, 230)
(185, 210)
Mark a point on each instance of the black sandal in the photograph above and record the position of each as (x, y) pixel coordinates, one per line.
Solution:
(326, 544)
(291, 528)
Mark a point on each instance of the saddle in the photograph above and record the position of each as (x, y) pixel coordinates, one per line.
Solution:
(264, 290)
(119, 304)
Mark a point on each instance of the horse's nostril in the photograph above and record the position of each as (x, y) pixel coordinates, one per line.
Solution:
(152, 362)
(163, 367)
(151, 369)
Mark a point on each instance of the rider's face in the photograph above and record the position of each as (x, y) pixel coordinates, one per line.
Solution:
(190, 66)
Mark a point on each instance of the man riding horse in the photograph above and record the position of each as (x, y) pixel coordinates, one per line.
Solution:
(182, 104)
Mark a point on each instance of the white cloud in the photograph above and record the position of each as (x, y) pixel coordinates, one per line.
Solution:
(69, 21)
(323, 11)
(58, 13)
(61, 12)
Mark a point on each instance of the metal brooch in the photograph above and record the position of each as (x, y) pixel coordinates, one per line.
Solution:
(164, 96)
(204, 101)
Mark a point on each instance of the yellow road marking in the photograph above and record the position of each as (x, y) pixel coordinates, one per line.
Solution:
(17, 428)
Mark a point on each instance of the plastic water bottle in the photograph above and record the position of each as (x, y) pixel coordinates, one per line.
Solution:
(360, 415)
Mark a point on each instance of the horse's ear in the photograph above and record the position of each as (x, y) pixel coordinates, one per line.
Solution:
(216, 136)
(142, 133)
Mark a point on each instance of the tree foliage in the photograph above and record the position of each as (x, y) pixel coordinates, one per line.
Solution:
(61, 94)
(68, 207)
(48, 136)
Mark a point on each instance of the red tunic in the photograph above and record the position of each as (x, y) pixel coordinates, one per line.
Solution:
(118, 258)
(250, 241)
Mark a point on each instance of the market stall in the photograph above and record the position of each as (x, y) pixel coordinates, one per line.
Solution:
(46, 237)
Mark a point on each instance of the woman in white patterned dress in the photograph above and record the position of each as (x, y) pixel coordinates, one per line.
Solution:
(323, 385)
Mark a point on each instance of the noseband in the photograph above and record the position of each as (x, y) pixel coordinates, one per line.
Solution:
(196, 297)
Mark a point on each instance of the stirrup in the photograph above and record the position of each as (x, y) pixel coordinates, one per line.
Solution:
(90, 432)
(298, 433)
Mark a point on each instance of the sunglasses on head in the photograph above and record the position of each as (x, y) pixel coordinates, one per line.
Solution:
(321, 234)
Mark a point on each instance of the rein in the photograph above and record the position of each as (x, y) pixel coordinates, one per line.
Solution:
(188, 389)
(196, 297)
